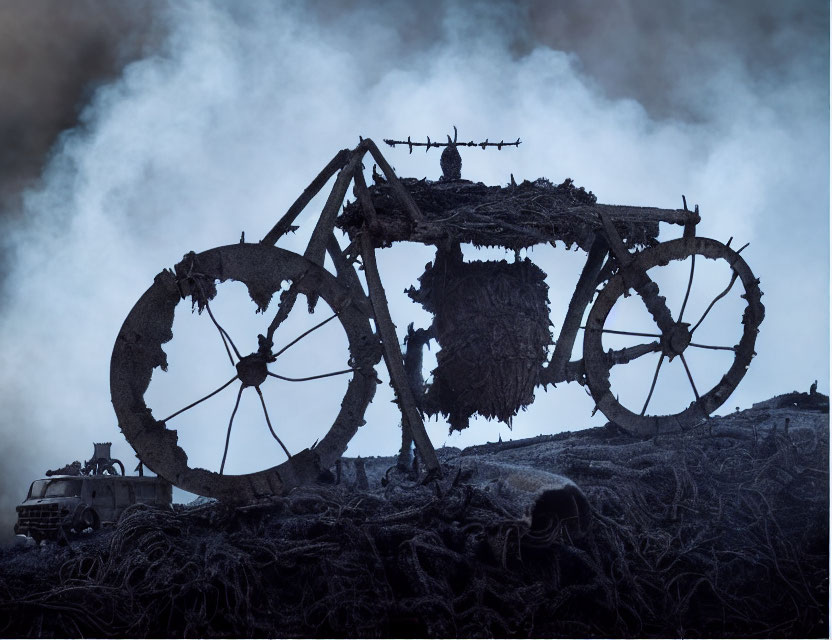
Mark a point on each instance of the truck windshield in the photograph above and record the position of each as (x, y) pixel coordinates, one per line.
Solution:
(55, 489)
(37, 488)
(63, 489)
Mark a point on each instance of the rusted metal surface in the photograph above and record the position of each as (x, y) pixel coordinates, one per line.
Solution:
(139, 350)
(675, 340)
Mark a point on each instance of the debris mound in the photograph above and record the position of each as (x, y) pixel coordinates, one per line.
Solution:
(719, 532)
(806, 401)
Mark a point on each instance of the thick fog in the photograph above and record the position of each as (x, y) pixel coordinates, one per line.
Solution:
(211, 118)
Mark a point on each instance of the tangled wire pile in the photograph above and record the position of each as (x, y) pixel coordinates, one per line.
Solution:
(723, 532)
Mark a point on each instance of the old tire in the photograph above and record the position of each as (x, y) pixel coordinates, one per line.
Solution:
(86, 518)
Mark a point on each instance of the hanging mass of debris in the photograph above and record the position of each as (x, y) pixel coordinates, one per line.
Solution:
(491, 320)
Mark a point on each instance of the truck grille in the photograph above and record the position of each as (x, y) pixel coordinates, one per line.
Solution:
(38, 520)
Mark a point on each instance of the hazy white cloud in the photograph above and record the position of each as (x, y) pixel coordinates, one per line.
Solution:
(220, 129)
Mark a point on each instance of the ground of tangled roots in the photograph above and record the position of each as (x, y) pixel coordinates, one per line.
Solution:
(720, 532)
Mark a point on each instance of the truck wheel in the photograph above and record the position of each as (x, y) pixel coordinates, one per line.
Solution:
(87, 519)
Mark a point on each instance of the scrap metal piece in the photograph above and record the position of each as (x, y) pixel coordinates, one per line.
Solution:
(101, 461)
(550, 503)
(72, 469)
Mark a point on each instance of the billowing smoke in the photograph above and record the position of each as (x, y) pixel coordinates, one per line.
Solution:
(235, 108)
(53, 56)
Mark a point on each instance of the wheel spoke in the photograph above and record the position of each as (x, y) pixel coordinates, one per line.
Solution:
(714, 301)
(623, 356)
(690, 377)
(228, 434)
(306, 333)
(269, 422)
(653, 385)
(707, 346)
(690, 283)
(629, 333)
(224, 335)
(287, 303)
(227, 350)
(323, 375)
(193, 404)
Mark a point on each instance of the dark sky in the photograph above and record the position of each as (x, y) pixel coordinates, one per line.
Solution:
(53, 55)
(661, 53)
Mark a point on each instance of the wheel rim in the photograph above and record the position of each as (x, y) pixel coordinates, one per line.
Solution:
(138, 351)
(88, 520)
(670, 343)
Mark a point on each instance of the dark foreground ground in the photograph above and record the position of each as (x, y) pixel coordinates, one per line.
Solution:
(719, 532)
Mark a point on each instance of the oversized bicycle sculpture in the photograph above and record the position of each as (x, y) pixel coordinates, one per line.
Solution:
(491, 318)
